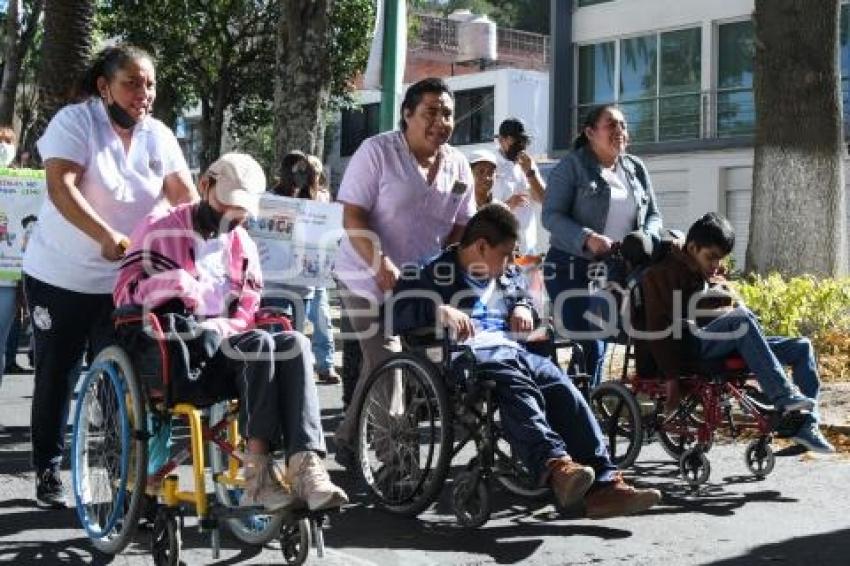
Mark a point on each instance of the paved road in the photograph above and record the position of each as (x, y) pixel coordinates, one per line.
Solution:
(798, 515)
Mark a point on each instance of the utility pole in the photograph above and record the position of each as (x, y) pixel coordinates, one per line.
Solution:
(392, 66)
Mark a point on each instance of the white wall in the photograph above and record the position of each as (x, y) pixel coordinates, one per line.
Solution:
(635, 17)
(688, 185)
(517, 93)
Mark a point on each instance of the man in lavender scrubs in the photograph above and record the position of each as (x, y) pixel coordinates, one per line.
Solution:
(406, 194)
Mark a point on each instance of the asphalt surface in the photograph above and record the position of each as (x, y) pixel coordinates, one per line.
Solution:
(800, 514)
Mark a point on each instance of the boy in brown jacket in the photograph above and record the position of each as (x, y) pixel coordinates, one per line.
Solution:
(691, 315)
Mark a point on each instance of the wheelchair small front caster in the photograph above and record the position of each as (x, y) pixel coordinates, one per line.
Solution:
(759, 457)
(165, 538)
(694, 466)
(295, 541)
(471, 499)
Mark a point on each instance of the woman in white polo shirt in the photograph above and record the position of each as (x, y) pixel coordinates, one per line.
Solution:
(108, 164)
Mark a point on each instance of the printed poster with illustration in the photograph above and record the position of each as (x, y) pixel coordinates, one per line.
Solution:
(21, 194)
(297, 240)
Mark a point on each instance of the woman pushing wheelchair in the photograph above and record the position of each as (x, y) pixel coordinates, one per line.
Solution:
(200, 254)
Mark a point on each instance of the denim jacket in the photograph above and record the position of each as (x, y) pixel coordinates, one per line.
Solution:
(417, 296)
(577, 200)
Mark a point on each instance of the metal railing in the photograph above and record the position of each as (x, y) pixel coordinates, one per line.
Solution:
(440, 34)
(721, 113)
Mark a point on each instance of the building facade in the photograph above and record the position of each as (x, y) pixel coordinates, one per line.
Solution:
(682, 72)
(516, 84)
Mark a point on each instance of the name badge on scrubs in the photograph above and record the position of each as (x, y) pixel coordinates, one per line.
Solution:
(459, 188)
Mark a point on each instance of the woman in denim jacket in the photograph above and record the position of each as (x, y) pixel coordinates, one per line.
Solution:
(597, 194)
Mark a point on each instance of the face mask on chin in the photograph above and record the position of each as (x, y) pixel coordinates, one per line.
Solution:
(118, 115)
(7, 153)
(209, 221)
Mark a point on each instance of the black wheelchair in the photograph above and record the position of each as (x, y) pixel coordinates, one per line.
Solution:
(420, 409)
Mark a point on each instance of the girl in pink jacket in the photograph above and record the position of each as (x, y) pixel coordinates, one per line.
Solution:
(199, 254)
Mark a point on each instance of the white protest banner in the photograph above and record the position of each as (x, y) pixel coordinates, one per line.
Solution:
(297, 240)
(21, 194)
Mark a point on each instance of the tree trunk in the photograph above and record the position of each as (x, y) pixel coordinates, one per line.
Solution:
(20, 32)
(212, 122)
(798, 208)
(302, 81)
(67, 45)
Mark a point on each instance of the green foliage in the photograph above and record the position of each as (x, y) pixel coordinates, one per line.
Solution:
(352, 22)
(220, 51)
(803, 305)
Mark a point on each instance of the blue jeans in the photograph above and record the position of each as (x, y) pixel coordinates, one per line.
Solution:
(744, 336)
(565, 272)
(8, 302)
(543, 415)
(319, 314)
(799, 354)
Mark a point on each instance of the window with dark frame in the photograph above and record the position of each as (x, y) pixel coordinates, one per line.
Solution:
(357, 125)
(473, 116)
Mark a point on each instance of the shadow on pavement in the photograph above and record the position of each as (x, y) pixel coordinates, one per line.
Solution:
(827, 549)
(717, 499)
(529, 523)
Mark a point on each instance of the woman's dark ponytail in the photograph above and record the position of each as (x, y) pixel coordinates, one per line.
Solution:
(590, 120)
(105, 64)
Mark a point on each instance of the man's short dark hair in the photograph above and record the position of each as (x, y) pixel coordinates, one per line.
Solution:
(416, 91)
(712, 230)
(493, 222)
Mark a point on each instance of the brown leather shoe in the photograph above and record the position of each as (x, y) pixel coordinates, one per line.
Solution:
(569, 480)
(328, 376)
(619, 498)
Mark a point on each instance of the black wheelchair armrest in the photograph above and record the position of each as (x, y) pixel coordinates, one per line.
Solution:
(423, 337)
(127, 314)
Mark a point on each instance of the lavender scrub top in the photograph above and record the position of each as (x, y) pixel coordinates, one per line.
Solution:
(410, 218)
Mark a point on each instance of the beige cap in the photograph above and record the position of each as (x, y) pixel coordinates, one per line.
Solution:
(239, 181)
(482, 155)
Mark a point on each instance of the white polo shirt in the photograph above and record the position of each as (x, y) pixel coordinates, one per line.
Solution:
(121, 187)
(509, 180)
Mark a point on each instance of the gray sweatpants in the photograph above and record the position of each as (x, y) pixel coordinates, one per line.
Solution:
(273, 374)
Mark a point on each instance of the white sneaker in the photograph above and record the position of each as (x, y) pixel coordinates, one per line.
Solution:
(311, 483)
(262, 486)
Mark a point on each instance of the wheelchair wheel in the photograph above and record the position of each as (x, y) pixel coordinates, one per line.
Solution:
(295, 542)
(254, 529)
(680, 432)
(405, 434)
(694, 466)
(514, 476)
(165, 539)
(109, 451)
(471, 499)
(618, 414)
(759, 457)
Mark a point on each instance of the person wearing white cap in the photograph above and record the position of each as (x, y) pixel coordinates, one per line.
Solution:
(483, 163)
(200, 255)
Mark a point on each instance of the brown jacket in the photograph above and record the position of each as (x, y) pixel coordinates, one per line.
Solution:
(667, 290)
